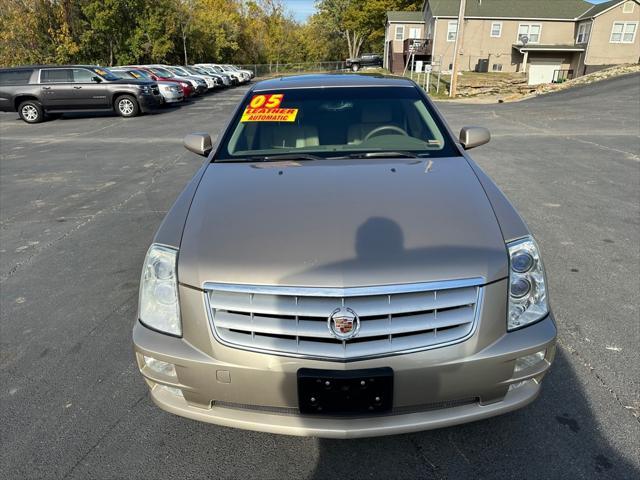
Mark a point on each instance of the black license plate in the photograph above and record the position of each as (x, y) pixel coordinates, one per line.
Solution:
(338, 392)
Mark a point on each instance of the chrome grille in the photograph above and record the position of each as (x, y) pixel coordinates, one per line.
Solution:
(393, 319)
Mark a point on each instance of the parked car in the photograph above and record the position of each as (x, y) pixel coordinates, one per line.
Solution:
(181, 71)
(171, 91)
(366, 60)
(199, 86)
(35, 92)
(345, 270)
(226, 78)
(244, 76)
(236, 76)
(188, 87)
(219, 81)
(249, 73)
(215, 79)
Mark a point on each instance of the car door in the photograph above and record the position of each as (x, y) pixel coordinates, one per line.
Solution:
(89, 91)
(56, 85)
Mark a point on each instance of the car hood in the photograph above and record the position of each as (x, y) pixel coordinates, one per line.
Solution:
(133, 81)
(332, 223)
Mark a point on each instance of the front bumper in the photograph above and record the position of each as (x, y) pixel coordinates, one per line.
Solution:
(149, 102)
(433, 388)
(171, 97)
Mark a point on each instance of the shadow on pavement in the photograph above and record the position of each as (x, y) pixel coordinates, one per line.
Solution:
(557, 436)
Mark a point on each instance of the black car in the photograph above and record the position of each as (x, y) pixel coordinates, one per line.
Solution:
(39, 91)
(366, 60)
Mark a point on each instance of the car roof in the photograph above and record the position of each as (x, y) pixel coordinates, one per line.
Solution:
(29, 67)
(333, 80)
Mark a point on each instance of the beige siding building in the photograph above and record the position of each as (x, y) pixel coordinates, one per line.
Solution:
(402, 29)
(550, 40)
(611, 31)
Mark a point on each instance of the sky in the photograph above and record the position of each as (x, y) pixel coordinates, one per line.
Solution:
(302, 9)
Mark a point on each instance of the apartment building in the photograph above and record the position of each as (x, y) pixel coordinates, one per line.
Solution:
(547, 39)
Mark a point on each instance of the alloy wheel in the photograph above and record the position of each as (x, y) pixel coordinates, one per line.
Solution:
(30, 113)
(125, 106)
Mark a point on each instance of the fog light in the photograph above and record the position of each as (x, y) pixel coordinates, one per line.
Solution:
(172, 390)
(527, 361)
(161, 367)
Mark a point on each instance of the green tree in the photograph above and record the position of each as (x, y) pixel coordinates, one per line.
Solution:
(157, 33)
(111, 24)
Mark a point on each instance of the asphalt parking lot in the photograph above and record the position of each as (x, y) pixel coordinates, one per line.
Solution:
(80, 200)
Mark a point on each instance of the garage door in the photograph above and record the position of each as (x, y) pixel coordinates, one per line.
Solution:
(542, 71)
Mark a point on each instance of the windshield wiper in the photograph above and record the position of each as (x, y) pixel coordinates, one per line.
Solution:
(274, 158)
(393, 154)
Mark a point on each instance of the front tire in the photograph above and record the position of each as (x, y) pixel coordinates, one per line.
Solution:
(31, 111)
(355, 67)
(127, 106)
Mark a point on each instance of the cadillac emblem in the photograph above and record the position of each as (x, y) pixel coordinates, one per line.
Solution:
(343, 323)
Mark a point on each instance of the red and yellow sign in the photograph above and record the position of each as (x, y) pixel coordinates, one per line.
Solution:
(266, 108)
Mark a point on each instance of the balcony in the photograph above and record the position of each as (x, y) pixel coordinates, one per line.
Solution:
(419, 46)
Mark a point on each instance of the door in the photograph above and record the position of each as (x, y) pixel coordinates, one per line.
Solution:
(88, 93)
(57, 88)
(541, 71)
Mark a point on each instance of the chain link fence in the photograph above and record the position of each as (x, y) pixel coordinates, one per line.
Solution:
(275, 69)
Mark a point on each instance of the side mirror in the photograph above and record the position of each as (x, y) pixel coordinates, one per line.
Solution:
(198, 142)
(96, 79)
(471, 137)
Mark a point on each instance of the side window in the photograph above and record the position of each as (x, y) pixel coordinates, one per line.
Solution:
(15, 77)
(81, 75)
(56, 75)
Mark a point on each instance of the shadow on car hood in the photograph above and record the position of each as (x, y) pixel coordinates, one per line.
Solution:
(341, 223)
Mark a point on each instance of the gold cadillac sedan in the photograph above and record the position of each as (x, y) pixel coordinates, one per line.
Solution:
(340, 267)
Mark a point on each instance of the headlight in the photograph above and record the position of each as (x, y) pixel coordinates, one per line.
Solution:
(144, 88)
(159, 307)
(527, 289)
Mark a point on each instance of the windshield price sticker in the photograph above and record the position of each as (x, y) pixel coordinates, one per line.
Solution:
(266, 108)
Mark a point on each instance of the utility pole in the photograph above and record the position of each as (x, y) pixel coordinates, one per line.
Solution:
(454, 71)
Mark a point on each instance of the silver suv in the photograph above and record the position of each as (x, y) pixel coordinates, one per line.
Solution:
(340, 267)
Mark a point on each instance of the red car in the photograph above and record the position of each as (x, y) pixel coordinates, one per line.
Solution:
(187, 88)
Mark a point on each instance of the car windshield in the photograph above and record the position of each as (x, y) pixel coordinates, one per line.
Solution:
(122, 74)
(336, 122)
(106, 74)
(161, 72)
(140, 74)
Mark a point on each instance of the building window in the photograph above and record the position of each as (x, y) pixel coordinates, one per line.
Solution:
(531, 31)
(399, 32)
(414, 32)
(452, 31)
(496, 29)
(628, 7)
(497, 67)
(623, 32)
(583, 33)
